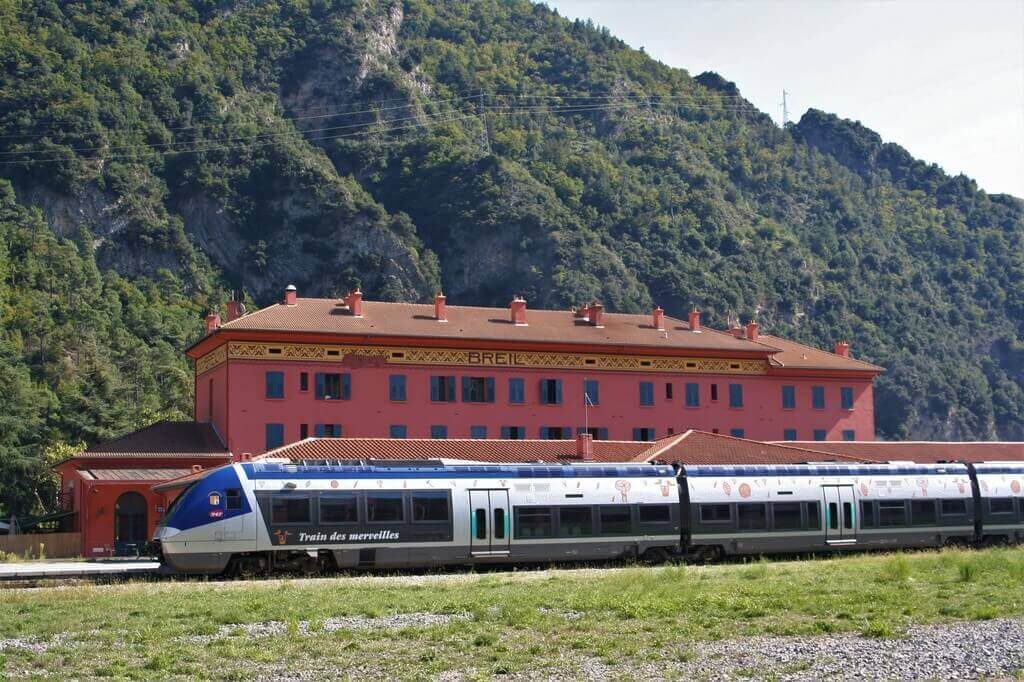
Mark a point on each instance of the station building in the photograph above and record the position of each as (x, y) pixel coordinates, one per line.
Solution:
(320, 367)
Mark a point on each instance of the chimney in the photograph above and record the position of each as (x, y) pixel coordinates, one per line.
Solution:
(659, 319)
(752, 331)
(585, 447)
(440, 308)
(843, 349)
(235, 310)
(596, 315)
(581, 312)
(694, 320)
(518, 311)
(736, 331)
(291, 295)
(354, 301)
(212, 322)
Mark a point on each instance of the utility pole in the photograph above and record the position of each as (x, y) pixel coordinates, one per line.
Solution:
(785, 109)
(483, 120)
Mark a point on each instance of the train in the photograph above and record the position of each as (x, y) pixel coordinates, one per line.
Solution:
(263, 516)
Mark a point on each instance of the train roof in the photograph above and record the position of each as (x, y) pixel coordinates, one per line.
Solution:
(279, 470)
(824, 469)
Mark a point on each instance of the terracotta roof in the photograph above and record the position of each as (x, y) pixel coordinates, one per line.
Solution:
(163, 439)
(922, 451)
(800, 356)
(133, 474)
(701, 447)
(331, 316)
(478, 450)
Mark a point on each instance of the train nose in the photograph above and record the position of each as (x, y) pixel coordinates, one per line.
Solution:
(165, 532)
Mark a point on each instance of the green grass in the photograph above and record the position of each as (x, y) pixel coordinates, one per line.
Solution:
(515, 622)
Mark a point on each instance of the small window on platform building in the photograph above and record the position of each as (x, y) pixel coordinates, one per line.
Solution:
(820, 434)
(397, 431)
(516, 391)
(846, 397)
(442, 389)
(818, 397)
(303, 431)
(477, 389)
(849, 434)
(327, 430)
(693, 394)
(591, 393)
(714, 393)
(551, 391)
(513, 432)
(275, 436)
(647, 393)
(735, 395)
(396, 387)
(555, 433)
(596, 432)
(668, 391)
(478, 432)
(333, 386)
(788, 397)
(275, 385)
(737, 433)
(304, 381)
(645, 433)
(439, 431)
(789, 434)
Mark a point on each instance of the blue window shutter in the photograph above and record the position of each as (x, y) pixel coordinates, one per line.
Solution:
(275, 436)
(435, 388)
(346, 386)
(450, 390)
(637, 434)
(319, 386)
(558, 391)
(543, 391)
(506, 432)
(490, 389)
(337, 430)
(602, 433)
(544, 433)
(465, 389)
(567, 432)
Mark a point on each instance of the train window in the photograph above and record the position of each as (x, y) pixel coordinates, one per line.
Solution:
(833, 516)
(384, 508)
(867, 514)
(786, 515)
(813, 516)
(715, 513)
(752, 516)
(429, 506)
(655, 513)
(339, 508)
(499, 524)
(534, 522)
(289, 510)
(892, 513)
(233, 498)
(616, 520)
(575, 522)
(847, 515)
(480, 522)
(1000, 505)
(922, 512)
(953, 507)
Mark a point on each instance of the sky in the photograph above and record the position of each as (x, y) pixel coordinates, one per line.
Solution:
(943, 79)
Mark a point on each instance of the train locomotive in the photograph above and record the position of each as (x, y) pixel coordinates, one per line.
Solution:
(263, 516)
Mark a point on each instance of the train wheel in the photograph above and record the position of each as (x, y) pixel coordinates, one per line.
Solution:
(709, 554)
(655, 556)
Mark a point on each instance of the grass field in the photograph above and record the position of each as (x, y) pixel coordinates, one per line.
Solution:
(485, 624)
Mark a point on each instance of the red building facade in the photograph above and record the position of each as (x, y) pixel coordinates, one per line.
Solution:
(327, 367)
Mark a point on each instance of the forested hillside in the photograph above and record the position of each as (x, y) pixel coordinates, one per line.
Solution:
(155, 155)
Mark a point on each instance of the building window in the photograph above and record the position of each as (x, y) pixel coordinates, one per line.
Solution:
(789, 434)
(516, 391)
(333, 386)
(478, 432)
(275, 385)
(275, 436)
(735, 395)
(819, 434)
(714, 393)
(849, 434)
(442, 389)
(596, 432)
(303, 381)
(396, 387)
(818, 397)
(555, 433)
(303, 431)
(551, 391)
(438, 431)
(397, 431)
(513, 432)
(789, 397)
(693, 394)
(668, 391)
(647, 393)
(736, 433)
(846, 397)
(591, 393)
(643, 433)
(327, 430)
(477, 390)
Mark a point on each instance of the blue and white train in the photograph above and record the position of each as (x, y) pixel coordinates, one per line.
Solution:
(257, 517)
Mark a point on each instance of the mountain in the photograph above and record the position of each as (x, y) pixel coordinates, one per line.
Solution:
(156, 155)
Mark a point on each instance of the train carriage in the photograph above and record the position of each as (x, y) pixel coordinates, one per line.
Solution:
(1001, 496)
(262, 515)
(767, 509)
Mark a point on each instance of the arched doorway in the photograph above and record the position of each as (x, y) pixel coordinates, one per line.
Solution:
(129, 524)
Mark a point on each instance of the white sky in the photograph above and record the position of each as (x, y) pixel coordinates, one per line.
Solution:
(943, 79)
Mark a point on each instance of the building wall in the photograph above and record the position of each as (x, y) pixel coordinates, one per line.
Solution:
(211, 398)
(370, 413)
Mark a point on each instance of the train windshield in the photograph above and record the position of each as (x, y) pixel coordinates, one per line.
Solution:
(176, 503)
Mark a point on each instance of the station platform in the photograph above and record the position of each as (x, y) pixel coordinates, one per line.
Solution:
(31, 570)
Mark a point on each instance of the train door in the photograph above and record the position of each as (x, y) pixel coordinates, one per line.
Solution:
(490, 523)
(840, 519)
